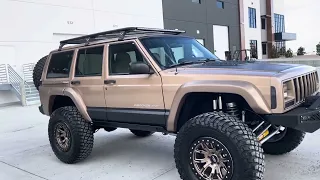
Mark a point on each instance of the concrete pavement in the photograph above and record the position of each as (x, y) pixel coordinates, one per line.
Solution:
(25, 154)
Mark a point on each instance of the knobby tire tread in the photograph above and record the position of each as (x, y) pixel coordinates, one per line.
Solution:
(238, 132)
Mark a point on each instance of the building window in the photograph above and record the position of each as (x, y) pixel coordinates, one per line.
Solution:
(279, 26)
(196, 1)
(252, 18)
(264, 48)
(279, 23)
(254, 48)
(220, 4)
(263, 23)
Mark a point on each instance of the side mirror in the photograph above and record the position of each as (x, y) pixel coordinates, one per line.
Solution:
(139, 68)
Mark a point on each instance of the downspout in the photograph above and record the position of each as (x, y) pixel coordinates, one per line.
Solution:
(242, 30)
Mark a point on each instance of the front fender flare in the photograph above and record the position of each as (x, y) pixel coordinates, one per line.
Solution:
(78, 101)
(245, 89)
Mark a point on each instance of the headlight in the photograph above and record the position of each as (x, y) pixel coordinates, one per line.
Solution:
(285, 90)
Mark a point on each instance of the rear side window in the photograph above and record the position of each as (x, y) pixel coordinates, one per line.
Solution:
(59, 66)
(89, 62)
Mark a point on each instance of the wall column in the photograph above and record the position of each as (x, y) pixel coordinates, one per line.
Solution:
(270, 37)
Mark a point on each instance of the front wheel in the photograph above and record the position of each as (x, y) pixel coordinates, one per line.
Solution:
(284, 142)
(218, 146)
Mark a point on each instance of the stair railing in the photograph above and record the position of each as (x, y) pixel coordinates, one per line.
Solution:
(3, 74)
(19, 84)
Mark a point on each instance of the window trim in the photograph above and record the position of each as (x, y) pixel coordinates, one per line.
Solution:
(76, 58)
(136, 43)
(45, 75)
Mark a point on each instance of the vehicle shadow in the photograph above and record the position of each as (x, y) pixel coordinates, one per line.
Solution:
(125, 147)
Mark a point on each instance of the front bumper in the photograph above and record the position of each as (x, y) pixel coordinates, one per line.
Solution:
(305, 118)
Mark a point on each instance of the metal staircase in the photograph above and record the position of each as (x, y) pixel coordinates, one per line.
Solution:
(22, 87)
(32, 95)
(3, 74)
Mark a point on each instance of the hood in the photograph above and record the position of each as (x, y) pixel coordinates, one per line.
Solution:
(234, 67)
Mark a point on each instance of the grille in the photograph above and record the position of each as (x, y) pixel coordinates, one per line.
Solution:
(305, 85)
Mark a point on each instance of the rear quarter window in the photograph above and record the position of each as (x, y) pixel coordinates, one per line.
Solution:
(60, 63)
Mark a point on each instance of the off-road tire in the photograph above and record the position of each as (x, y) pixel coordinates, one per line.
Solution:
(81, 134)
(37, 71)
(290, 141)
(141, 133)
(237, 137)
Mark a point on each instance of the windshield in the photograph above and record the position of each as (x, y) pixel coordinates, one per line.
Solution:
(171, 51)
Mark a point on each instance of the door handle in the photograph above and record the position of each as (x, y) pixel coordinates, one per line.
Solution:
(75, 82)
(110, 81)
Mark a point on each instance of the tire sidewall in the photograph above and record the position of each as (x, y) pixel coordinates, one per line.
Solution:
(198, 132)
(75, 140)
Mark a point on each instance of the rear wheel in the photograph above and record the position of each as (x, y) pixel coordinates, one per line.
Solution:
(284, 142)
(141, 133)
(218, 146)
(70, 136)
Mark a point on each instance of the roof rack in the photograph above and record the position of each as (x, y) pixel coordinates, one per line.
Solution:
(116, 33)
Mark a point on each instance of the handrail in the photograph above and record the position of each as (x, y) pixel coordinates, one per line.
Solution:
(28, 71)
(3, 73)
(14, 77)
(29, 87)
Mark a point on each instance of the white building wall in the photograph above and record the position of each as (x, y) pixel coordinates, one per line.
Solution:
(279, 7)
(34, 27)
(30, 29)
(252, 33)
(263, 7)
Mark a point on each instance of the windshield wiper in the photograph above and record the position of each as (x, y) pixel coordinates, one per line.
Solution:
(209, 59)
(186, 63)
(193, 62)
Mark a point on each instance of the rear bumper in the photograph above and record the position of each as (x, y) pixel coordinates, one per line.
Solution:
(305, 118)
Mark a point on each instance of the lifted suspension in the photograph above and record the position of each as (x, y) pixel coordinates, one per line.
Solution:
(264, 130)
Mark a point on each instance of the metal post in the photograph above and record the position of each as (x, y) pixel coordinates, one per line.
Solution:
(23, 93)
(7, 73)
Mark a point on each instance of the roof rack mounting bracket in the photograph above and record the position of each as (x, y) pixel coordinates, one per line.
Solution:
(61, 46)
(87, 41)
(122, 35)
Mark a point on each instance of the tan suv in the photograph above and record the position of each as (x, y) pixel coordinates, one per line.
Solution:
(225, 114)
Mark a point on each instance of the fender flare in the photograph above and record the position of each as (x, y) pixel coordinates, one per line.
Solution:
(245, 89)
(78, 101)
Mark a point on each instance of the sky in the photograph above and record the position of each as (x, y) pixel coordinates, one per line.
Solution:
(302, 18)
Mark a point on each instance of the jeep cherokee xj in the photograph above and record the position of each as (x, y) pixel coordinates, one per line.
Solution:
(225, 114)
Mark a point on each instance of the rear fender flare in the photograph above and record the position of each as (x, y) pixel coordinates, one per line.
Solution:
(78, 101)
(245, 89)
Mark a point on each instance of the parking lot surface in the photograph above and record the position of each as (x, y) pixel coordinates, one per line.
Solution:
(25, 154)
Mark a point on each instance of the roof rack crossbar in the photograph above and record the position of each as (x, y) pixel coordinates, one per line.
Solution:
(116, 33)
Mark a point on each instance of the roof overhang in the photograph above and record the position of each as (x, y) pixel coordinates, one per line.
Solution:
(284, 36)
